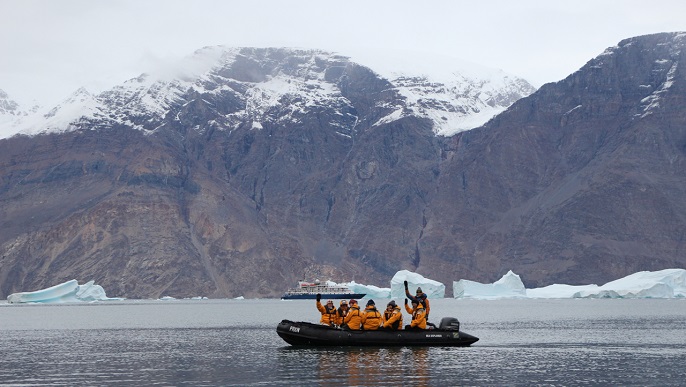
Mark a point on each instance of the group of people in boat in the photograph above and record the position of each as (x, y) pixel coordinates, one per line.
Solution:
(349, 315)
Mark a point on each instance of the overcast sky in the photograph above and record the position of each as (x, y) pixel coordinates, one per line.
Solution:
(50, 48)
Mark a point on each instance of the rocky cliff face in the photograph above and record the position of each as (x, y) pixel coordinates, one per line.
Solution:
(584, 178)
(252, 168)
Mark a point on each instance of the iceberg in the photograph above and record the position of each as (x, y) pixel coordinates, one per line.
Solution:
(433, 289)
(668, 283)
(69, 291)
(559, 291)
(509, 286)
(371, 291)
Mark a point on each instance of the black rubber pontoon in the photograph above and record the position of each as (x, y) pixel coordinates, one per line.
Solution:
(308, 334)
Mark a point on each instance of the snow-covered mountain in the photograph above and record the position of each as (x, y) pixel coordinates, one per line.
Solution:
(14, 116)
(239, 171)
(283, 85)
(455, 94)
(10, 111)
(7, 106)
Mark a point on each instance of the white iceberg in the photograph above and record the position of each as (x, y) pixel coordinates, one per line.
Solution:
(370, 291)
(509, 286)
(668, 283)
(69, 291)
(433, 289)
(559, 291)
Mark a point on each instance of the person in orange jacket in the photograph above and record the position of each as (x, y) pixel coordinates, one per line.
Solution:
(419, 296)
(341, 312)
(353, 320)
(328, 312)
(418, 315)
(371, 318)
(392, 317)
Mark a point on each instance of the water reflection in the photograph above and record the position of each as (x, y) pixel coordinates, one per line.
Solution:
(373, 366)
(564, 342)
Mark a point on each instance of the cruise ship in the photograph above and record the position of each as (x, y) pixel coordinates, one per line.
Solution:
(309, 291)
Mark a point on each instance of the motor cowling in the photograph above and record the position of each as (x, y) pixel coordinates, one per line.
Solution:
(450, 324)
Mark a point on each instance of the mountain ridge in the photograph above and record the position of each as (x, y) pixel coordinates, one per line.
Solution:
(579, 182)
(219, 70)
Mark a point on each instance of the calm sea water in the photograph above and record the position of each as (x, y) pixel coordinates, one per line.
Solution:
(234, 342)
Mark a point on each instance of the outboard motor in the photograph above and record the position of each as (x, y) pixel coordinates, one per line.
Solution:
(449, 323)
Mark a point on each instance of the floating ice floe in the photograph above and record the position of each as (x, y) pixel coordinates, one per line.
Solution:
(371, 291)
(668, 283)
(69, 291)
(433, 289)
(509, 286)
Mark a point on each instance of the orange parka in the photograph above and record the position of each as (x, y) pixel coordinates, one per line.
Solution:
(340, 315)
(354, 318)
(328, 314)
(371, 318)
(418, 316)
(393, 319)
(422, 298)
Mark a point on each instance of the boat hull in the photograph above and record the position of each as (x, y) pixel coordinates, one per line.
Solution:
(337, 296)
(308, 334)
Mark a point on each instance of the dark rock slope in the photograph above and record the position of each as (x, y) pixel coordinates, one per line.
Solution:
(582, 182)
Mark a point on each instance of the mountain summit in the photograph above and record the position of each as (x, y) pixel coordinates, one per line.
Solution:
(245, 170)
(294, 81)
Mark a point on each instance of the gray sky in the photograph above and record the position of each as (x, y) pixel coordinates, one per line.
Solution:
(50, 48)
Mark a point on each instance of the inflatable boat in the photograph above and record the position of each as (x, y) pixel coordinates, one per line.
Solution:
(307, 334)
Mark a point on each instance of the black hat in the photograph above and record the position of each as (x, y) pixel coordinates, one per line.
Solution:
(370, 302)
(419, 291)
(392, 303)
(415, 301)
